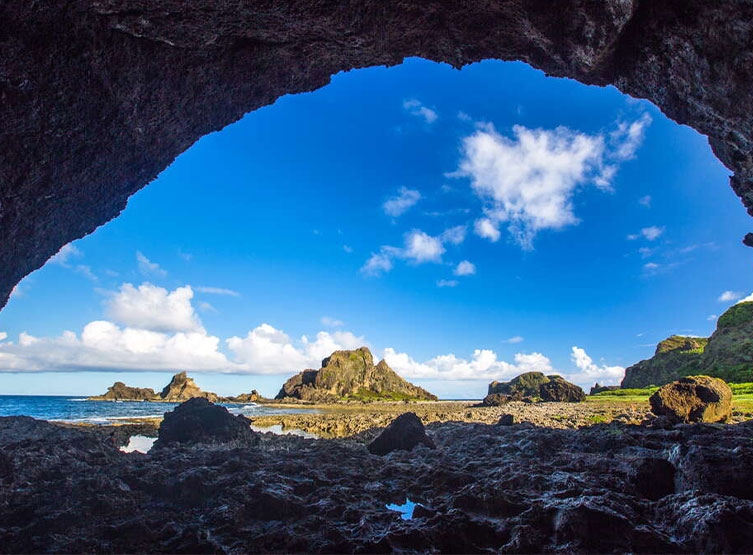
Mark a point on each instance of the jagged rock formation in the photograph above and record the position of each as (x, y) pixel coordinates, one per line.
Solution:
(181, 388)
(533, 385)
(727, 354)
(351, 375)
(693, 399)
(122, 392)
(95, 114)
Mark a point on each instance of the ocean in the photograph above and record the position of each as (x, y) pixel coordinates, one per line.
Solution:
(78, 409)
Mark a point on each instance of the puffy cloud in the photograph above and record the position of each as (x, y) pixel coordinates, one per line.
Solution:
(149, 268)
(590, 372)
(267, 350)
(483, 365)
(402, 202)
(217, 291)
(747, 299)
(153, 308)
(421, 247)
(447, 283)
(465, 268)
(416, 108)
(729, 296)
(529, 180)
(487, 229)
(104, 345)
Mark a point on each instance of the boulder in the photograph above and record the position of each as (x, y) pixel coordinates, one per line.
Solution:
(199, 421)
(499, 399)
(693, 399)
(558, 389)
(506, 420)
(526, 384)
(122, 392)
(182, 388)
(404, 433)
(598, 388)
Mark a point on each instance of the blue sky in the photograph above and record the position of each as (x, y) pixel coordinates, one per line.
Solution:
(468, 225)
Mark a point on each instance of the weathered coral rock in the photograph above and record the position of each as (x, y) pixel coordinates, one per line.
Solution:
(552, 388)
(182, 388)
(199, 421)
(693, 399)
(405, 432)
(96, 98)
(351, 375)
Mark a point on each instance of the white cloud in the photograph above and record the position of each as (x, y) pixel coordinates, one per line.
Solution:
(747, 299)
(529, 180)
(331, 322)
(207, 307)
(487, 229)
(348, 249)
(153, 308)
(729, 296)
(590, 372)
(402, 202)
(645, 252)
(267, 350)
(465, 268)
(454, 235)
(632, 237)
(645, 201)
(652, 233)
(651, 268)
(217, 291)
(482, 366)
(447, 283)
(421, 247)
(713, 317)
(3, 336)
(65, 254)
(628, 136)
(514, 339)
(416, 108)
(149, 268)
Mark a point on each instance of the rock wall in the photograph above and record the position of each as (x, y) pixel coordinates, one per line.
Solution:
(98, 96)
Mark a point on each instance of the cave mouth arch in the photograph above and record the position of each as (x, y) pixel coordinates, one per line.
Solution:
(94, 115)
(243, 141)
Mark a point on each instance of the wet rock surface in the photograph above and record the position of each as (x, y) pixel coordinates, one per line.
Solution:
(517, 488)
(96, 98)
(199, 421)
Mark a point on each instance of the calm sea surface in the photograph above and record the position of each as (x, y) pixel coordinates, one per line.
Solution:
(78, 409)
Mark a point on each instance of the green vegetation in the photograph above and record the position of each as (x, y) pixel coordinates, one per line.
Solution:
(682, 343)
(739, 314)
(627, 392)
(599, 418)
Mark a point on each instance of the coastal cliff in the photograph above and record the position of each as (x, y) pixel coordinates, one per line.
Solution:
(727, 354)
(351, 375)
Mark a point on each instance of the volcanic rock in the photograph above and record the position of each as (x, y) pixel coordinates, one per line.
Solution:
(597, 388)
(693, 399)
(404, 433)
(351, 375)
(97, 113)
(199, 421)
(654, 478)
(182, 388)
(121, 392)
(552, 388)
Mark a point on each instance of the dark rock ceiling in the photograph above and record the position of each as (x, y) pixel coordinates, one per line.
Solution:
(98, 97)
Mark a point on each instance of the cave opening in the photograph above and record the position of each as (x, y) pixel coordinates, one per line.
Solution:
(465, 224)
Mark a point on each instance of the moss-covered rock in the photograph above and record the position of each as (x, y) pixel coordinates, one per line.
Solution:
(727, 354)
(352, 375)
(534, 385)
(693, 399)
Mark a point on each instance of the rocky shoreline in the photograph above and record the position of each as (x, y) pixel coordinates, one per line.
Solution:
(508, 488)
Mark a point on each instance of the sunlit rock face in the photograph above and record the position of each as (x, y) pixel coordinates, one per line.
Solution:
(97, 97)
